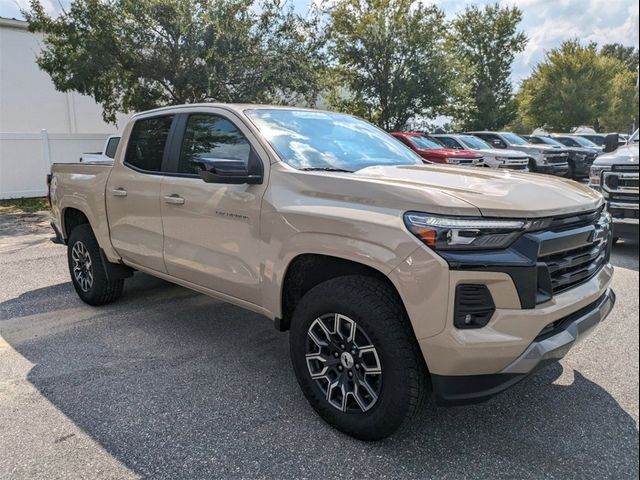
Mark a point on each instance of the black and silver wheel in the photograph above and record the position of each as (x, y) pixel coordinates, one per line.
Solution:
(82, 267)
(344, 363)
(356, 357)
(87, 270)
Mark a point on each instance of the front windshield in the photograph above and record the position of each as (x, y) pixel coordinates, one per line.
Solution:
(474, 143)
(583, 142)
(551, 141)
(424, 143)
(515, 139)
(308, 139)
(598, 140)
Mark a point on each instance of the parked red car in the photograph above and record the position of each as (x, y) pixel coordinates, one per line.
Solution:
(431, 150)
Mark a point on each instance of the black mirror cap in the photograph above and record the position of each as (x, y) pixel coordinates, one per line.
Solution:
(611, 142)
(231, 171)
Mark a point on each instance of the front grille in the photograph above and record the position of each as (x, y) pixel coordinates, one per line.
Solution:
(556, 158)
(620, 186)
(573, 267)
(575, 249)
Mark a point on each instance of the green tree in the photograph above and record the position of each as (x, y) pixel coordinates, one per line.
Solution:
(484, 43)
(621, 114)
(388, 60)
(576, 85)
(132, 55)
(627, 55)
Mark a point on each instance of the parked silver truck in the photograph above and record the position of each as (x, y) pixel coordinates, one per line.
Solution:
(615, 174)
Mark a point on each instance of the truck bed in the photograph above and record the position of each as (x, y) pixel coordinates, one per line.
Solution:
(81, 186)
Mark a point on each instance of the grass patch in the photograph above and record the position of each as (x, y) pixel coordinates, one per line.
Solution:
(23, 205)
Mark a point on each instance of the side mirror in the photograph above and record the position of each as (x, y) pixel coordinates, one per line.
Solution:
(226, 170)
(611, 142)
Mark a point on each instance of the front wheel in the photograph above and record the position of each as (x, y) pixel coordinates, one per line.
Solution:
(86, 267)
(356, 358)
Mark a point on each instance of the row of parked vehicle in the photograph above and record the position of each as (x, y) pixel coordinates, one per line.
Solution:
(567, 155)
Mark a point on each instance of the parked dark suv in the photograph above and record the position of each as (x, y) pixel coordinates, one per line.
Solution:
(580, 158)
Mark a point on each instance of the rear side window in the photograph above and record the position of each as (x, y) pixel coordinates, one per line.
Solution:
(209, 136)
(147, 142)
(112, 146)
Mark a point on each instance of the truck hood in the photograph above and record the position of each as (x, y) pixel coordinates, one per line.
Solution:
(530, 147)
(627, 155)
(493, 193)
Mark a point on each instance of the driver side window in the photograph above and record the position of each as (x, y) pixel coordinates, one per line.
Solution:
(209, 136)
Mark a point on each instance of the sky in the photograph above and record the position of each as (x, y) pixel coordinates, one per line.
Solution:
(546, 22)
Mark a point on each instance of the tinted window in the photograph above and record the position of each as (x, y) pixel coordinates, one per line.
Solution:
(493, 139)
(208, 137)
(514, 139)
(146, 143)
(449, 142)
(112, 146)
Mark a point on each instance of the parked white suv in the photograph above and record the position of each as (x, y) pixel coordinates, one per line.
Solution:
(493, 157)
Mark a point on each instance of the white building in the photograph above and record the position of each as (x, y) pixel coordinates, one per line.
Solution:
(39, 125)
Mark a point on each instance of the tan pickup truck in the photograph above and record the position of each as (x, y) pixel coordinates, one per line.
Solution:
(397, 280)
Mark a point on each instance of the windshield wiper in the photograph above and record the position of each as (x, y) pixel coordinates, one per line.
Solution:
(325, 169)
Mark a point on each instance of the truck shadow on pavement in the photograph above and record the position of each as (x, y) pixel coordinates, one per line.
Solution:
(174, 384)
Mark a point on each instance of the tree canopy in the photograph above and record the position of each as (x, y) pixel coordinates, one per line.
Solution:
(483, 44)
(388, 60)
(132, 55)
(578, 85)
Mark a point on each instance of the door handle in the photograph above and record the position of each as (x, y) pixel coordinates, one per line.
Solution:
(174, 199)
(119, 192)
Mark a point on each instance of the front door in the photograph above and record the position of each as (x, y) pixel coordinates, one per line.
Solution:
(133, 194)
(211, 231)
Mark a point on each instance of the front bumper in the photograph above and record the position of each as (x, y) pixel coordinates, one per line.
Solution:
(552, 345)
(559, 169)
(626, 228)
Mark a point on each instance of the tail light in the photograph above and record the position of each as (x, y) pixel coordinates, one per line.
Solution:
(49, 189)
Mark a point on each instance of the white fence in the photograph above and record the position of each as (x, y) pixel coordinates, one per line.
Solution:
(26, 158)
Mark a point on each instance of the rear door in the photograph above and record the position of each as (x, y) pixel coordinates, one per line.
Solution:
(211, 230)
(133, 193)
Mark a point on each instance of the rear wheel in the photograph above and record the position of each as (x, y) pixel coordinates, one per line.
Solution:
(87, 270)
(356, 358)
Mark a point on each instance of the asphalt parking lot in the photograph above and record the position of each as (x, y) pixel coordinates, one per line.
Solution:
(167, 383)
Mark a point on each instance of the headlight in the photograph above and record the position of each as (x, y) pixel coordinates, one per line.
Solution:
(501, 159)
(595, 172)
(463, 233)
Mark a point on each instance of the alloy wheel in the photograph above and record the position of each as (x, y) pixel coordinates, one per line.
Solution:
(82, 266)
(344, 363)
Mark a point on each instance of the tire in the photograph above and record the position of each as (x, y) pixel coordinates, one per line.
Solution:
(571, 172)
(380, 320)
(90, 281)
(532, 165)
